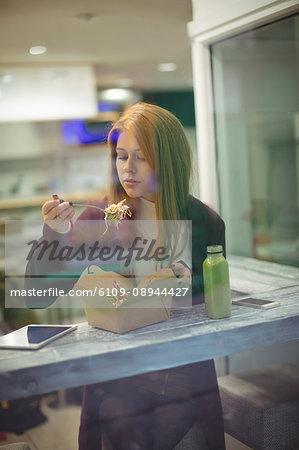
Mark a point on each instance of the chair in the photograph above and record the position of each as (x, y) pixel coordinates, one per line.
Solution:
(261, 407)
(193, 440)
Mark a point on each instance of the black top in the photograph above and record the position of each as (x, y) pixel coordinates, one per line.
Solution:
(207, 229)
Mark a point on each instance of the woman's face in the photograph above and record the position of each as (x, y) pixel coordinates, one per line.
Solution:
(134, 172)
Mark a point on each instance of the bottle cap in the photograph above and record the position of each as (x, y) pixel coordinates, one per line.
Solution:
(214, 249)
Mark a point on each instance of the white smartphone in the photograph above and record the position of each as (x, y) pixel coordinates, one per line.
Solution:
(33, 337)
(256, 303)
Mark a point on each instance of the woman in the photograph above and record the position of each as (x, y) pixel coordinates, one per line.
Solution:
(150, 167)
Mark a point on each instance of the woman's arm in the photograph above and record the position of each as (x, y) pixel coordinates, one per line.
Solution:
(58, 258)
(45, 270)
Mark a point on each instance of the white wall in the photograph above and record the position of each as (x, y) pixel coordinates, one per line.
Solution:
(208, 14)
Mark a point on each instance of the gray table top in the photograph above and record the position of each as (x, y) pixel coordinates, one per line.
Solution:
(90, 355)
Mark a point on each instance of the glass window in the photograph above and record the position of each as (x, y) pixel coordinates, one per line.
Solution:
(255, 82)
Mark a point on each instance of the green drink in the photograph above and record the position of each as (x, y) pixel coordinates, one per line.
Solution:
(216, 283)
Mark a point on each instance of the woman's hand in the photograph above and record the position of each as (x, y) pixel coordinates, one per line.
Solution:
(183, 274)
(57, 214)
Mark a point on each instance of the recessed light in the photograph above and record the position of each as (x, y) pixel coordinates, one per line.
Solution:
(167, 67)
(38, 50)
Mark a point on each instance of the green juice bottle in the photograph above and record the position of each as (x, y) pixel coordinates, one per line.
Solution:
(216, 283)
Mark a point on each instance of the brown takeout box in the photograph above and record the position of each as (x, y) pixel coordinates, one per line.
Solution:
(135, 312)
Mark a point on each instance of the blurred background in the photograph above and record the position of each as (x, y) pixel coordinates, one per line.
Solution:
(67, 71)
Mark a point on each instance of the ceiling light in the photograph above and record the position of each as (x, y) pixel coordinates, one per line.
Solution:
(124, 83)
(119, 96)
(38, 50)
(115, 94)
(167, 67)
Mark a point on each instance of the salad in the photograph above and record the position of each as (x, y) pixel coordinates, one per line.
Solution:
(115, 213)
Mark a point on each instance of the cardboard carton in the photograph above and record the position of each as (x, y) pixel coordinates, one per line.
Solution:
(135, 311)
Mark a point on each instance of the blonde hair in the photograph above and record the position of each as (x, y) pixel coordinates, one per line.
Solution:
(163, 142)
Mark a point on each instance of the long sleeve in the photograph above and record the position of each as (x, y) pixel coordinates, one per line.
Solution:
(57, 259)
(43, 271)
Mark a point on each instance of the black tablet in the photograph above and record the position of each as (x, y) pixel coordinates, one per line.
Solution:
(33, 337)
